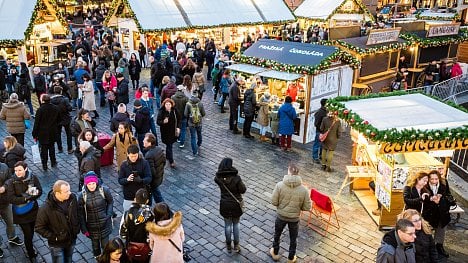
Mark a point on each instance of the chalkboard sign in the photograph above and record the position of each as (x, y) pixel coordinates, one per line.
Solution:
(433, 53)
(394, 59)
(374, 64)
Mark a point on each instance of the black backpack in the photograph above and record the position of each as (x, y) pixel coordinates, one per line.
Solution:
(23, 90)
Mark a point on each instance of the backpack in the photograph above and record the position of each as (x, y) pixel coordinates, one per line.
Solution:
(23, 90)
(195, 113)
(85, 193)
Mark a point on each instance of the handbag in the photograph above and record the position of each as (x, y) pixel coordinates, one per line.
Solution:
(27, 124)
(185, 251)
(323, 136)
(110, 95)
(23, 208)
(138, 251)
(241, 203)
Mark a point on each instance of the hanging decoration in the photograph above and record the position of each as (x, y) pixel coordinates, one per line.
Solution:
(390, 135)
(369, 50)
(436, 41)
(455, 17)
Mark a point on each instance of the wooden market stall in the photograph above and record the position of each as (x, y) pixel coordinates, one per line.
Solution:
(312, 71)
(393, 141)
(136, 21)
(379, 54)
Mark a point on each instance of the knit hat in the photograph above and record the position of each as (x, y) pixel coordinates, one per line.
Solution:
(137, 103)
(90, 177)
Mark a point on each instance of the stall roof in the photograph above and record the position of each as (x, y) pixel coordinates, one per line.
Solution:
(412, 111)
(360, 42)
(153, 14)
(323, 9)
(15, 17)
(280, 75)
(249, 69)
(290, 53)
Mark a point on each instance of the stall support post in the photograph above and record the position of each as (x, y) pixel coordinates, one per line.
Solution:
(446, 167)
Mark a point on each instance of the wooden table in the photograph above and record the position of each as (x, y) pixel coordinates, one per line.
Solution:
(353, 172)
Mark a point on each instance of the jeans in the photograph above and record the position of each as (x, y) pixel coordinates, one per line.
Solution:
(169, 155)
(62, 254)
(79, 103)
(10, 87)
(247, 125)
(125, 205)
(151, 86)
(7, 215)
(195, 142)
(210, 68)
(112, 107)
(19, 138)
(233, 113)
(157, 196)
(327, 156)
(263, 130)
(102, 94)
(183, 131)
(28, 233)
(293, 232)
(439, 234)
(225, 95)
(74, 103)
(29, 102)
(317, 147)
(47, 149)
(231, 225)
(215, 93)
(98, 244)
(69, 137)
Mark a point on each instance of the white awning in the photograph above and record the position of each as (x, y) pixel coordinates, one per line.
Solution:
(348, 17)
(249, 69)
(274, 74)
(408, 111)
(14, 18)
(274, 10)
(157, 14)
(318, 9)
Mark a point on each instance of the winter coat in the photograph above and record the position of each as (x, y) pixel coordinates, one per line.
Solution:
(225, 83)
(392, 250)
(120, 146)
(199, 81)
(95, 213)
(142, 178)
(263, 113)
(45, 123)
(250, 102)
(60, 227)
(287, 115)
(122, 92)
(134, 69)
(77, 126)
(90, 160)
(228, 206)
(159, 235)
(64, 107)
(117, 119)
(168, 90)
(40, 85)
(17, 194)
(110, 86)
(434, 213)
(89, 100)
(180, 100)
(333, 135)
(194, 101)
(290, 198)
(14, 113)
(100, 72)
(5, 175)
(135, 219)
(318, 118)
(156, 158)
(274, 121)
(412, 198)
(148, 104)
(142, 122)
(168, 130)
(123, 68)
(234, 96)
(23, 88)
(425, 248)
(456, 70)
(13, 156)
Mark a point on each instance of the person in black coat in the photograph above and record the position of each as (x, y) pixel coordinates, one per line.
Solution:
(23, 190)
(141, 122)
(318, 117)
(45, 130)
(415, 194)
(250, 102)
(234, 101)
(57, 221)
(89, 159)
(63, 104)
(232, 188)
(122, 89)
(157, 160)
(169, 126)
(134, 69)
(437, 212)
(95, 207)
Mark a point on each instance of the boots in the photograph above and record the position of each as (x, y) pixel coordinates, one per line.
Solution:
(441, 250)
(263, 138)
(273, 140)
(235, 130)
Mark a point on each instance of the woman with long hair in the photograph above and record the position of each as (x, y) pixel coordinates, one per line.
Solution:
(415, 194)
(114, 252)
(134, 69)
(89, 100)
(90, 135)
(199, 81)
(121, 140)
(81, 122)
(109, 84)
(189, 68)
(188, 86)
(424, 243)
(169, 126)
(14, 152)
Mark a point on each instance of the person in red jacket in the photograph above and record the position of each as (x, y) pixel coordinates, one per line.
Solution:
(456, 69)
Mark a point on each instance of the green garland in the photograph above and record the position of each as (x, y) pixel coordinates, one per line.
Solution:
(32, 20)
(11, 43)
(300, 69)
(455, 17)
(390, 135)
(436, 41)
(370, 50)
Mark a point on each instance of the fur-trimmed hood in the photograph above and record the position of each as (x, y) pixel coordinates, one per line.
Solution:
(167, 227)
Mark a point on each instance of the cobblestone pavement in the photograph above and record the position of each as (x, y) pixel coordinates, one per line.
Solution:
(191, 189)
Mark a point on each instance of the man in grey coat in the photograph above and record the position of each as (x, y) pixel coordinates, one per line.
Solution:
(397, 245)
(290, 197)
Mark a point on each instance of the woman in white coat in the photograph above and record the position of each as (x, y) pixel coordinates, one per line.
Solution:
(89, 101)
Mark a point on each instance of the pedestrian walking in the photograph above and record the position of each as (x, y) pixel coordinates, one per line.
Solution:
(287, 115)
(250, 104)
(194, 113)
(109, 84)
(23, 190)
(23, 89)
(142, 54)
(141, 121)
(234, 103)
(156, 158)
(290, 198)
(415, 194)
(89, 160)
(263, 117)
(40, 83)
(57, 221)
(121, 116)
(81, 122)
(63, 104)
(199, 81)
(169, 126)
(123, 66)
(224, 84)
(147, 101)
(95, 207)
(121, 140)
(16, 116)
(98, 80)
(134, 68)
(398, 244)
(45, 130)
(180, 99)
(114, 252)
(169, 89)
(12, 153)
(122, 89)
(231, 203)
(318, 118)
(89, 100)
(274, 125)
(332, 126)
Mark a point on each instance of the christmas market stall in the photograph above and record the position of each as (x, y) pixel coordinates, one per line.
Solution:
(227, 22)
(396, 135)
(305, 72)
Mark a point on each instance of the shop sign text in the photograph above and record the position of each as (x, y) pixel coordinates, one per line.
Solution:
(292, 50)
(423, 146)
(443, 30)
(383, 36)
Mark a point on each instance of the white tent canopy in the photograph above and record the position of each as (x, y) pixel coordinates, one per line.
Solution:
(157, 13)
(408, 111)
(14, 18)
(318, 9)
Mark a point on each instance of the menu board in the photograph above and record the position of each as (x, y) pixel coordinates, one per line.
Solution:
(383, 184)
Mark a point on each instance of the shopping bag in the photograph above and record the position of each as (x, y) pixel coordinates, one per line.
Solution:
(35, 153)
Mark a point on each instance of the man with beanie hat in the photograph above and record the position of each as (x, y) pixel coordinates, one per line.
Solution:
(141, 121)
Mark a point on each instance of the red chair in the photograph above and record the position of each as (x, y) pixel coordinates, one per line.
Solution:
(323, 208)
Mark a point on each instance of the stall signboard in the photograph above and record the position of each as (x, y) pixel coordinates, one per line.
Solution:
(423, 146)
(443, 30)
(383, 184)
(380, 36)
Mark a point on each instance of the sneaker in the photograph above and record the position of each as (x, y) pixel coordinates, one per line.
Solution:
(317, 161)
(237, 248)
(195, 153)
(292, 260)
(1, 253)
(181, 146)
(273, 255)
(16, 241)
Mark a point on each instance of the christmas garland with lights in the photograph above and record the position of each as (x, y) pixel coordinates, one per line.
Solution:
(32, 20)
(8, 43)
(300, 69)
(455, 17)
(436, 41)
(392, 135)
(371, 50)
(362, 10)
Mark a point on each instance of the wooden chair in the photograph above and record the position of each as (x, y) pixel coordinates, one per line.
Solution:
(323, 209)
